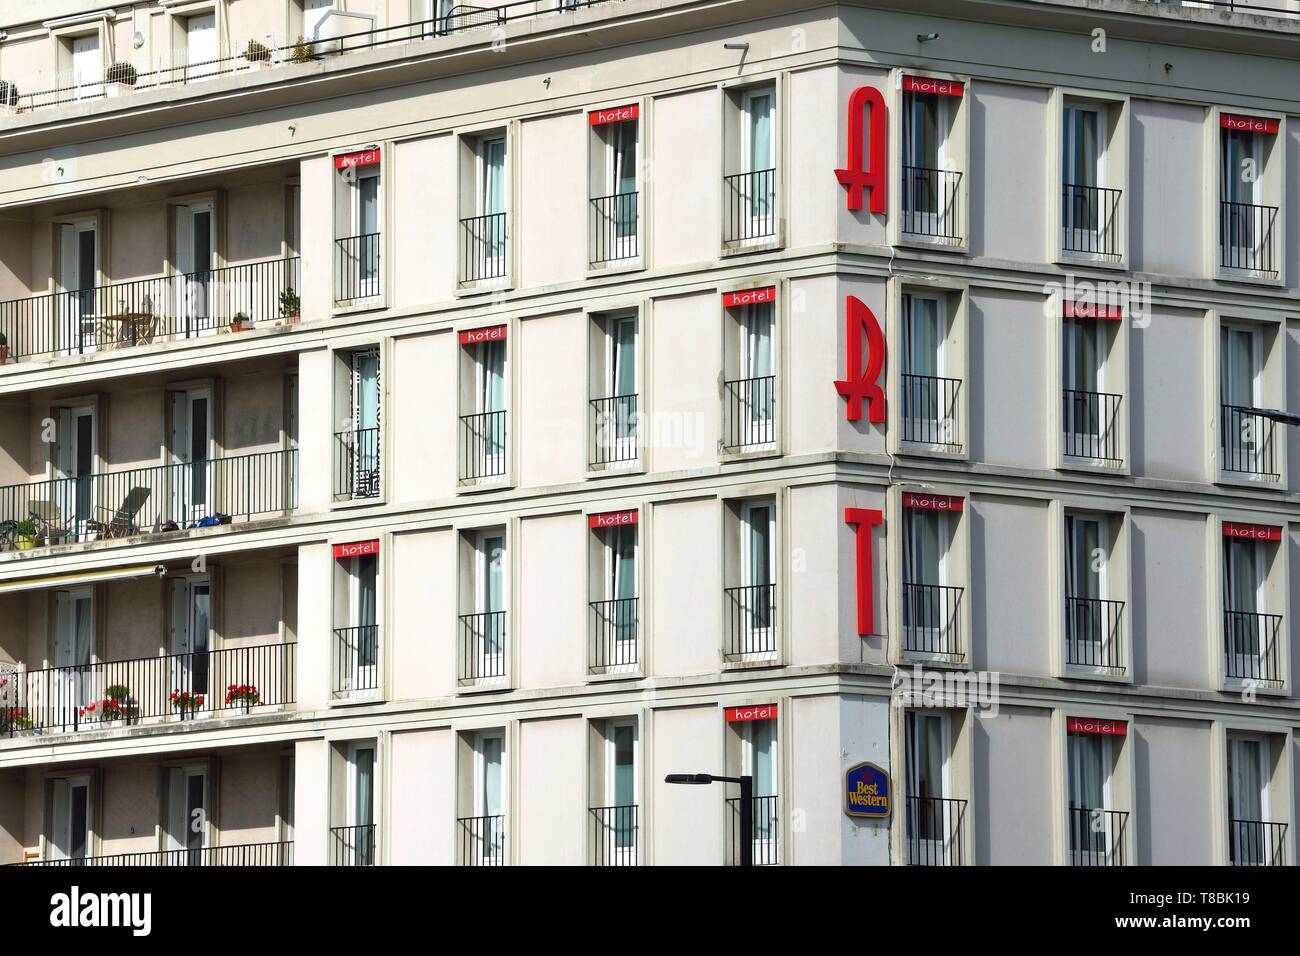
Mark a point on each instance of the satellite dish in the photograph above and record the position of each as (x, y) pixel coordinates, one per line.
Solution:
(137, 41)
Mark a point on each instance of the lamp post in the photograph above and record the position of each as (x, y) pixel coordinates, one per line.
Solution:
(1279, 416)
(746, 805)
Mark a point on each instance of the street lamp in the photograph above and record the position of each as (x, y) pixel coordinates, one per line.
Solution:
(1279, 416)
(746, 805)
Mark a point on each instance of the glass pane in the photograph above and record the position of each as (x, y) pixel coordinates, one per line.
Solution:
(79, 821)
(624, 372)
(494, 583)
(760, 132)
(367, 572)
(494, 176)
(364, 767)
(491, 748)
(760, 544)
(757, 359)
(763, 737)
(624, 769)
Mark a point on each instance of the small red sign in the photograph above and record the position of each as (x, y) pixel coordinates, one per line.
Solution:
(928, 84)
(367, 157)
(612, 519)
(1249, 124)
(933, 502)
(1257, 532)
(355, 549)
(616, 114)
(731, 300)
(738, 715)
(1094, 725)
(492, 333)
(1089, 310)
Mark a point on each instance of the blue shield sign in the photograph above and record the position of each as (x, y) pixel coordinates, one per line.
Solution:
(867, 792)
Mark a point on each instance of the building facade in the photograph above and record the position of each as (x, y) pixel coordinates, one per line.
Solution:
(425, 427)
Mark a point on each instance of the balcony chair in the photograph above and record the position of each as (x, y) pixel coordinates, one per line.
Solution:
(122, 522)
(50, 523)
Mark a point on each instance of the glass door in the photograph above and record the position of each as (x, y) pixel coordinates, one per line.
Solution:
(1089, 760)
(758, 161)
(195, 245)
(492, 205)
(78, 275)
(1242, 167)
(1082, 352)
(1245, 580)
(622, 185)
(366, 214)
(361, 805)
(925, 415)
(925, 609)
(621, 791)
(187, 825)
(489, 808)
(1082, 169)
(757, 399)
(1085, 589)
(191, 637)
(759, 759)
(74, 649)
(363, 580)
(366, 412)
(1252, 839)
(70, 826)
(490, 605)
(925, 126)
(622, 387)
(74, 500)
(190, 473)
(620, 559)
(491, 398)
(929, 835)
(758, 578)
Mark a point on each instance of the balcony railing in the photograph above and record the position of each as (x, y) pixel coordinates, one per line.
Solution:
(750, 413)
(356, 658)
(614, 229)
(1246, 442)
(119, 504)
(767, 833)
(356, 464)
(353, 846)
(237, 854)
(483, 646)
(482, 840)
(1090, 426)
(930, 412)
(112, 693)
(1247, 238)
(749, 207)
(1251, 647)
(935, 831)
(614, 634)
(1097, 837)
(146, 311)
(614, 431)
(932, 620)
(357, 274)
(614, 836)
(1090, 220)
(1256, 843)
(931, 203)
(751, 622)
(483, 446)
(483, 248)
(1094, 634)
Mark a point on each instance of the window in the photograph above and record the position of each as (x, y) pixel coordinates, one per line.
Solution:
(356, 630)
(1248, 186)
(614, 606)
(931, 187)
(930, 413)
(483, 421)
(73, 643)
(1252, 636)
(482, 832)
(749, 186)
(930, 604)
(615, 221)
(1096, 828)
(76, 305)
(1247, 437)
(87, 67)
(1090, 414)
(1093, 622)
(195, 238)
(749, 392)
(758, 758)
(614, 818)
(191, 453)
(484, 210)
(934, 824)
(357, 447)
(751, 604)
(72, 515)
(615, 374)
(186, 827)
(359, 218)
(1253, 839)
(483, 625)
(355, 842)
(70, 824)
(191, 637)
(1090, 204)
(201, 47)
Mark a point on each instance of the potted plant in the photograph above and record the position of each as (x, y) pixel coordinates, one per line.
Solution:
(303, 52)
(245, 694)
(290, 304)
(257, 54)
(117, 76)
(4, 348)
(186, 703)
(25, 535)
(118, 693)
(241, 322)
(15, 720)
(106, 711)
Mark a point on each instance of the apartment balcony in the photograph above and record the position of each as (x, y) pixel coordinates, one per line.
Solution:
(932, 621)
(766, 837)
(931, 414)
(482, 447)
(749, 414)
(482, 840)
(614, 641)
(1256, 843)
(1251, 643)
(353, 846)
(143, 312)
(1247, 444)
(356, 464)
(1090, 427)
(935, 831)
(1090, 222)
(483, 647)
(239, 854)
(483, 250)
(614, 833)
(615, 230)
(357, 269)
(614, 432)
(1097, 837)
(356, 660)
(749, 208)
(1094, 633)
(123, 693)
(751, 623)
(1248, 238)
(931, 205)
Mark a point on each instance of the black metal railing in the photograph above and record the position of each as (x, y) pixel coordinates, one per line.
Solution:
(930, 412)
(356, 658)
(1090, 425)
(614, 836)
(749, 206)
(1090, 220)
(237, 854)
(147, 311)
(1246, 442)
(356, 463)
(353, 846)
(1094, 633)
(1247, 237)
(119, 504)
(1097, 837)
(935, 831)
(614, 633)
(932, 203)
(482, 445)
(614, 228)
(357, 267)
(750, 412)
(1256, 843)
(1251, 647)
(232, 680)
(483, 248)
(482, 840)
(932, 620)
(613, 430)
(482, 646)
(766, 836)
(751, 621)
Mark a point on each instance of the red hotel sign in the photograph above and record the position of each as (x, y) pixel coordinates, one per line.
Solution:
(932, 502)
(1250, 124)
(612, 519)
(355, 549)
(617, 114)
(863, 520)
(493, 333)
(1089, 310)
(1257, 532)
(1093, 725)
(736, 715)
(928, 84)
(367, 157)
(731, 300)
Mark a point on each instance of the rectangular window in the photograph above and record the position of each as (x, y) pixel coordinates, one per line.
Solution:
(484, 210)
(1248, 218)
(615, 207)
(1247, 437)
(930, 411)
(87, 67)
(357, 448)
(191, 637)
(751, 604)
(76, 307)
(359, 221)
(201, 47)
(614, 818)
(1090, 408)
(1093, 621)
(483, 625)
(483, 424)
(615, 607)
(1254, 839)
(1090, 203)
(186, 824)
(931, 606)
(749, 186)
(482, 833)
(931, 187)
(749, 393)
(70, 819)
(73, 652)
(355, 842)
(614, 385)
(1096, 827)
(1252, 635)
(933, 826)
(758, 754)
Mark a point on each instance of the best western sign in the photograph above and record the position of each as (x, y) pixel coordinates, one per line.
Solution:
(867, 792)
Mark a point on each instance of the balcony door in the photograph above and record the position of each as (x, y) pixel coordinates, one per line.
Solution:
(488, 834)
(366, 203)
(187, 821)
(70, 820)
(201, 50)
(1083, 351)
(361, 804)
(74, 649)
(489, 636)
(926, 608)
(491, 201)
(1087, 630)
(758, 758)
(195, 238)
(1245, 578)
(190, 468)
(931, 827)
(1082, 169)
(620, 824)
(926, 416)
(1244, 231)
(362, 656)
(621, 386)
(87, 68)
(1251, 839)
(78, 276)
(366, 411)
(757, 161)
(758, 580)
(621, 587)
(926, 191)
(621, 184)
(1089, 758)
(490, 398)
(73, 504)
(757, 398)
(1241, 385)
(191, 636)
